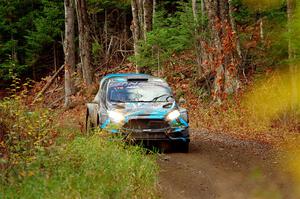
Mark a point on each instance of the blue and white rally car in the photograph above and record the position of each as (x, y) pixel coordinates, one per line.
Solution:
(139, 107)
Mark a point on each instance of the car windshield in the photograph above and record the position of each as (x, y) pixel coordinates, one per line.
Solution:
(139, 92)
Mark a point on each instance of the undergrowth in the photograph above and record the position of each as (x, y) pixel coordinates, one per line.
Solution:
(266, 112)
(24, 133)
(45, 156)
(87, 167)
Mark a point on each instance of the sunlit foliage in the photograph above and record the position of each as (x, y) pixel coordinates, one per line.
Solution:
(261, 5)
(274, 96)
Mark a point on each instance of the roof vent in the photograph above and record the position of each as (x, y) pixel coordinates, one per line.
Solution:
(137, 79)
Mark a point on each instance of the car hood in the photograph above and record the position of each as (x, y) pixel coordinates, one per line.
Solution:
(144, 109)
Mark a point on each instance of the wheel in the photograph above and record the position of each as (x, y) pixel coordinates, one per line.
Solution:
(165, 147)
(184, 147)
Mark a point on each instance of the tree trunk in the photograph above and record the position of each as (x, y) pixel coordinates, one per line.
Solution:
(135, 28)
(69, 50)
(154, 11)
(195, 10)
(234, 29)
(223, 53)
(148, 15)
(197, 37)
(234, 55)
(85, 45)
(140, 7)
(213, 16)
(202, 13)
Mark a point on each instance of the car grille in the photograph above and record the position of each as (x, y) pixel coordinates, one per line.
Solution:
(146, 124)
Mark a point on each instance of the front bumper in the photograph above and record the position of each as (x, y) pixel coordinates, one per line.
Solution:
(176, 131)
(166, 134)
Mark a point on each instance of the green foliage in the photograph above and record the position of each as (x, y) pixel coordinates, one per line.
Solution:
(171, 33)
(272, 49)
(47, 26)
(243, 15)
(87, 167)
(98, 6)
(97, 50)
(26, 29)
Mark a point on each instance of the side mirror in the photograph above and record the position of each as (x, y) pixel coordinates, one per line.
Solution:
(181, 101)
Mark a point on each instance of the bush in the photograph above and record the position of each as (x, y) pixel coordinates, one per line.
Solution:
(24, 133)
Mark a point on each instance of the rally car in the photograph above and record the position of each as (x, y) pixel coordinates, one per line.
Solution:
(139, 107)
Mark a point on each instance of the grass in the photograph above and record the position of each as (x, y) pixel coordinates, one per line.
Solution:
(44, 155)
(87, 167)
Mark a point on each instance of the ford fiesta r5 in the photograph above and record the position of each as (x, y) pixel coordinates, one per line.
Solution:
(139, 107)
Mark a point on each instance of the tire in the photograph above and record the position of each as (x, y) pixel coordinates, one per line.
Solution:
(165, 147)
(184, 147)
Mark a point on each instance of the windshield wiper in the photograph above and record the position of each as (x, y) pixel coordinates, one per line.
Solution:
(156, 98)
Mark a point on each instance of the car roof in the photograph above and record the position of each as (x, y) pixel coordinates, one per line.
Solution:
(125, 75)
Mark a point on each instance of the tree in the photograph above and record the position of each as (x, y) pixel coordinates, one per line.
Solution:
(223, 52)
(85, 45)
(69, 50)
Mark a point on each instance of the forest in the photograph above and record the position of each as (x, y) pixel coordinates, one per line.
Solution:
(234, 62)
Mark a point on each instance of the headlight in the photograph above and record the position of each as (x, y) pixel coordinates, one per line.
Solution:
(116, 116)
(173, 115)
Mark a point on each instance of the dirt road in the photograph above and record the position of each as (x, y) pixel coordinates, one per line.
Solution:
(219, 166)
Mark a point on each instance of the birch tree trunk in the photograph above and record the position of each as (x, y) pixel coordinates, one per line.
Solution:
(195, 10)
(135, 28)
(197, 44)
(69, 50)
(85, 45)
